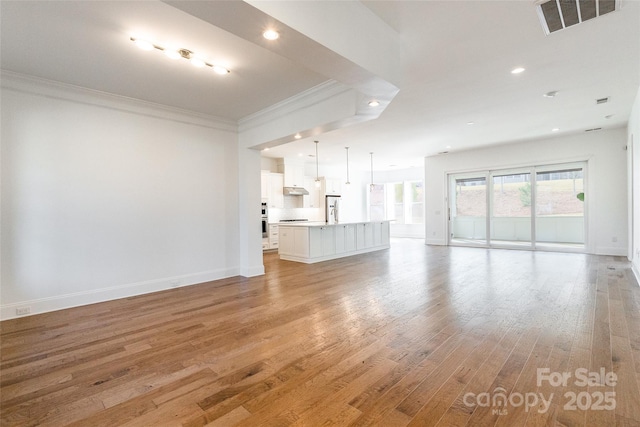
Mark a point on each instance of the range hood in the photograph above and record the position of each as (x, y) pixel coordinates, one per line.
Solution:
(294, 191)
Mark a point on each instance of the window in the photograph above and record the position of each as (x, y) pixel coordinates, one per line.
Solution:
(376, 202)
(416, 208)
(401, 202)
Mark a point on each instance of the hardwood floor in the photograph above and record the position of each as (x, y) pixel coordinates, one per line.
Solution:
(411, 336)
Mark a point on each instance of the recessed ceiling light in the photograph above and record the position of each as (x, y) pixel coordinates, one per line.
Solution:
(297, 136)
(171, 53)
(143, 44)
(197, 62)
(517, 70)
(373, 103)
(555, 129)
(266, 149)
(551, 94)
(220, 70)
(447, 147)
(299, 154)
(271, 35)
(471, 123)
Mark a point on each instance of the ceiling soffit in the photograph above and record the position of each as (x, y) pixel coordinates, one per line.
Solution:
(351, 85)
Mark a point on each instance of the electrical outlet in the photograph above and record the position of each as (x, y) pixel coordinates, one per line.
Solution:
(23, 311)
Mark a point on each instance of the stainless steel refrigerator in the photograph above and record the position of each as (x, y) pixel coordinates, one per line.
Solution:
(332, 209)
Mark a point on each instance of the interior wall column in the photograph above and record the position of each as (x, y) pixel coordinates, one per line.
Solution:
(249, 212)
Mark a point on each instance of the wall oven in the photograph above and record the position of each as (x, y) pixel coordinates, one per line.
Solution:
(265, 221)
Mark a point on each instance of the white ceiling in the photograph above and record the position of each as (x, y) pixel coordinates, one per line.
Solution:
(452, 66)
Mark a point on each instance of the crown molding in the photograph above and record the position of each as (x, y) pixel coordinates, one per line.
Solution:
(17, 82)
(302, 100)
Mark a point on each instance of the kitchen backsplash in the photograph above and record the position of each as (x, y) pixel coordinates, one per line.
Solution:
(292, 211)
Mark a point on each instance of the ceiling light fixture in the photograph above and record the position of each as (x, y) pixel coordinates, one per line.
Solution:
(143, 44)
(371, 186)
(172, 53)
(271, 35)
(347, 148)
(471, 123)
(555, 129)
(196, 60)
(297, 136)
(517, 70)
(374, 103)
(317, 174)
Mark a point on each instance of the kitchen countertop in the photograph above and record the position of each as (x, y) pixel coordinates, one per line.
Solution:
(322, 223)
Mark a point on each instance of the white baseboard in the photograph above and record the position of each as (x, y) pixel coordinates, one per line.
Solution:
(257, 270)
(612, 251)
(636, 273)
(61, 302)
(307, 260)
(436, 242)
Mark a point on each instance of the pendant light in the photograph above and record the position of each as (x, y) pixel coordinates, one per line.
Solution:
(317, 174)
(371, 186)
(347, 148)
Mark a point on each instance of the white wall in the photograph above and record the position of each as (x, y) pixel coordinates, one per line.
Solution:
(104, 198)
(606, 192)
(633, 153)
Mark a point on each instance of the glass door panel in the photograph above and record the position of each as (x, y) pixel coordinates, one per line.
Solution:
(511, 200)
(560, 208)
(468, 210)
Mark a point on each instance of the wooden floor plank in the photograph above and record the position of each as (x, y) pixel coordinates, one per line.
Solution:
(392, 338)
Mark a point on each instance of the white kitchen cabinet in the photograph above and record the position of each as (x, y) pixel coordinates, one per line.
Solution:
(293, 173)
(264, 185)
(276, 196)
(331, 186)
(328, 241)
(349, 237)
(294, 241)
(313, 199)
(322, 241)
(345, 238)
(340, 239)
(317, 242)
(364, 235)
(380, 233)
(274, 239)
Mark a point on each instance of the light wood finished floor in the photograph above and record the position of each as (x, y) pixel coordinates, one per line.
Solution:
(393, 338)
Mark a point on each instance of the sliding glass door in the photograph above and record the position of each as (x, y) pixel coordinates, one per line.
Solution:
(560, 207)
(468, 209)
(511, 208)
(539, 207)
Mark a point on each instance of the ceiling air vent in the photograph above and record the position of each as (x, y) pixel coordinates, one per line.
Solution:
(593, 130)
(560, 14)
(602, 100)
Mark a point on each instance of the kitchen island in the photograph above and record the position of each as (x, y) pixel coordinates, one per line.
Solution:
(311, 242)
